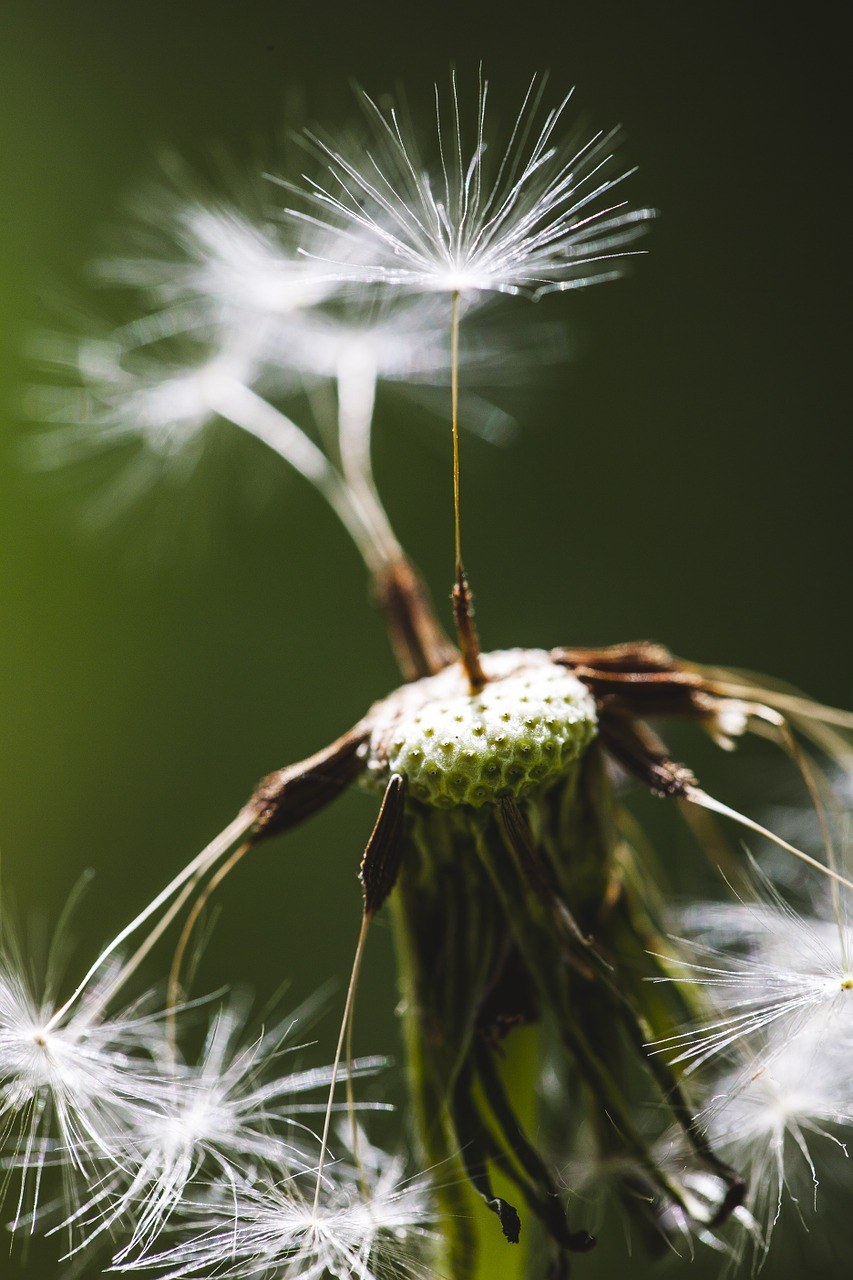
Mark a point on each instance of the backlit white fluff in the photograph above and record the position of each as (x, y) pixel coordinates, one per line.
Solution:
(162, 396)
(369, 1224)
(768, 1118)
(69, 1089)
(233, 1113)
(201, 263)
(771, 974)
(541, 217)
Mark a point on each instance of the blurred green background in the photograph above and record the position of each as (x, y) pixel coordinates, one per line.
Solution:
(683, 478)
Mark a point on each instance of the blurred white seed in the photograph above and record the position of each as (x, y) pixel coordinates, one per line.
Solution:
(770, 974)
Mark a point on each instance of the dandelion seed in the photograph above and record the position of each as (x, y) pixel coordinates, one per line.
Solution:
(228, 1116)
(541, 218)
(771, 973)
(69, 1089)
(768, 1116)
(370, 1223)
(202, 263)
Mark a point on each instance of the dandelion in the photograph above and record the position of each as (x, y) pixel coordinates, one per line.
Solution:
(521, 893)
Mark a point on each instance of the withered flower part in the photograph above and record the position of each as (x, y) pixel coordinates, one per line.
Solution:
(520, 900)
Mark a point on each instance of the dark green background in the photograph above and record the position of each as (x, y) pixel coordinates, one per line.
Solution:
(684, 478)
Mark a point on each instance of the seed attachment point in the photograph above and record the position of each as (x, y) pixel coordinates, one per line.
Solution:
(466, 631)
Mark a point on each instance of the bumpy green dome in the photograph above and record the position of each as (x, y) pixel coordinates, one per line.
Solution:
(528, 723)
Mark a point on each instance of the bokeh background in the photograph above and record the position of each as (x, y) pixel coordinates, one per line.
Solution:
(684, 477)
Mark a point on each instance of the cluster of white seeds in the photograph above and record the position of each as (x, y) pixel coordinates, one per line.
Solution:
(528, 723)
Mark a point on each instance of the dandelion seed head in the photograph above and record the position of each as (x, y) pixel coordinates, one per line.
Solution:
(528, 724)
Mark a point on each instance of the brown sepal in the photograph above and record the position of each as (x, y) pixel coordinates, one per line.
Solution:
(380, 865)
(290, 795)
(640, 751)
(642, 678)
(418, 640)
(633, 655)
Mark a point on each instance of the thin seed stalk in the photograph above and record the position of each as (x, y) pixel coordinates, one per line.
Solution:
(454, 410)
(463, 603)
